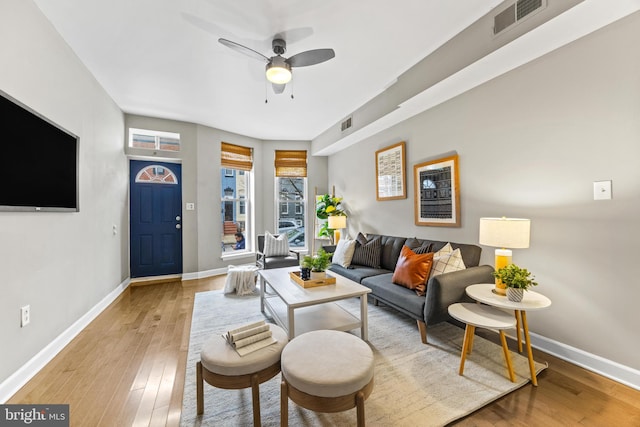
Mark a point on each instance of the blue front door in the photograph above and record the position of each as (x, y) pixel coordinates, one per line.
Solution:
(155, 218)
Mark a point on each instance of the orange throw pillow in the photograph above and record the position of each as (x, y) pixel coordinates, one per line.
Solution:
(412, 270)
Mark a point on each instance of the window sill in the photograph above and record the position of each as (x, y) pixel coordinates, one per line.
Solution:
(236, 255)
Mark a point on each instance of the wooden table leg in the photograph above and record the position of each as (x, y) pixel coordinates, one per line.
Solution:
(468, 338)
(507, 356)
(518, 331)
(532, 366)
(364, 320)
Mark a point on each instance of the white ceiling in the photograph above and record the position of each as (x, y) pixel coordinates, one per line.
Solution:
(161, 58)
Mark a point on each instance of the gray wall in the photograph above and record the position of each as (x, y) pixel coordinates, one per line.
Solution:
(62, 264)
(200, 158)
(531, 143)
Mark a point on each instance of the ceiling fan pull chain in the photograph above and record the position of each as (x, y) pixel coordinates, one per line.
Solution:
(291, 89)
(266, 93)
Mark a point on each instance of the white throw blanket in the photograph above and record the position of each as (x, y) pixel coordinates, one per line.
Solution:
(241, 279)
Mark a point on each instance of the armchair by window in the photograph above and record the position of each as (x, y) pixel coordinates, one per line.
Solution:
(264, 262)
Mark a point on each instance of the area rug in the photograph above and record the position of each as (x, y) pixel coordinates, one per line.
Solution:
(415, 384)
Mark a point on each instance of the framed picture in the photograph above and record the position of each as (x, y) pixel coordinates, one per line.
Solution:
(391, 182)
(437, 192)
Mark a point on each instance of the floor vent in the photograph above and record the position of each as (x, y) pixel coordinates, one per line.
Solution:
(515, 13)
(345, 125)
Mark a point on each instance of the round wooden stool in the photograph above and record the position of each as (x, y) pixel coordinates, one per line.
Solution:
(326, 371)
(482, 316)
(221, 366)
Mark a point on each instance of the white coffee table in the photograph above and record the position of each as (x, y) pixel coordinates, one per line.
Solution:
(299, 310)
(531, 301)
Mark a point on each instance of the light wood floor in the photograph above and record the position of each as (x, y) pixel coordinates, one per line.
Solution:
(127, 369)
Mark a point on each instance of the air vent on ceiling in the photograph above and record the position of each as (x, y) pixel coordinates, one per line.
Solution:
(515, 13)
(345, 125)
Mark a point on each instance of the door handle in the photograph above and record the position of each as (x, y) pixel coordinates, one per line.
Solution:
(178, 226)
(178, 218)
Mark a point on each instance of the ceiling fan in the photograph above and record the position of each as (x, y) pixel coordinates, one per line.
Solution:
(278, 68)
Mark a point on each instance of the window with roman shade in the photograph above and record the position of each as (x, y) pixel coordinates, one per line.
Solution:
(291, 163)
(236, 157)
(236, 163)
(291, 195)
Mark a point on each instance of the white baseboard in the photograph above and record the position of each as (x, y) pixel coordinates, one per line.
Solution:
(605, 367)
(209, 273)
(11, 385)
(204, 274)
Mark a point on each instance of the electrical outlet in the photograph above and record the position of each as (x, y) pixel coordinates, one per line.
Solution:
(26, 315)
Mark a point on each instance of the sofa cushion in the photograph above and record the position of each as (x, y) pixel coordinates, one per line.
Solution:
(470, 253)
(399, 297)
(368, 254)
(447, 263)
(412, 270)
(391, 247)
(359, 273)
(276, 246)
(417, 246)
(343, 253)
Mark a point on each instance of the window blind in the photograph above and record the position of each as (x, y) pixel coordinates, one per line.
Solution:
(236, 157)
(291, 163)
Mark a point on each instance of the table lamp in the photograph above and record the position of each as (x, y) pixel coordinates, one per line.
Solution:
(336, 223)
(506, 234)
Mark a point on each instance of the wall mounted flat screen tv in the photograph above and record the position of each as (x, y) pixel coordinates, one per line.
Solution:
(40, 167)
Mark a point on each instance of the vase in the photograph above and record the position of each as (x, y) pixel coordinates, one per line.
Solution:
(515, 294)
(318, 275)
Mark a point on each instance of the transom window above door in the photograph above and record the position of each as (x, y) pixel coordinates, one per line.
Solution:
(157, 175)
(154, 140)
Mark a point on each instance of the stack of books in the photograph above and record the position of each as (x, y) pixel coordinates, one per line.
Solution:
(249, 338)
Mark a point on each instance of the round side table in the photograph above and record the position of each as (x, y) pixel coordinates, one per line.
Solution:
(531, 301)
(482, 316)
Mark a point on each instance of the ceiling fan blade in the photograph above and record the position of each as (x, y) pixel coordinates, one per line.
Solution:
(277, 89)
(311, 57)
(243, 49)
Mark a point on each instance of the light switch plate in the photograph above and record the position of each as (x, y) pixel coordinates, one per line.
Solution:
(602, 190)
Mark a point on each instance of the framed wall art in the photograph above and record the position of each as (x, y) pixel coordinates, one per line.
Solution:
(437, 192)
(391, 183)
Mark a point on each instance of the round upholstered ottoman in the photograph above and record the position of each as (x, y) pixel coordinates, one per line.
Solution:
(221, 366)
(326, 371)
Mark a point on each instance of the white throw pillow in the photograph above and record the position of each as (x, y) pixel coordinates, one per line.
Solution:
(276, 246)
(446, 249)
(344, 252)
(447, 262)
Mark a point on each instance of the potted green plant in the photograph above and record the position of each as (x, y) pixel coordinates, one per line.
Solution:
(327, 206)
(306, 265)
(516, 279)
(318, 263)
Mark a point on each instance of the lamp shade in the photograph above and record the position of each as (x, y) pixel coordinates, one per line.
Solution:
(504, 232)
(337, 221)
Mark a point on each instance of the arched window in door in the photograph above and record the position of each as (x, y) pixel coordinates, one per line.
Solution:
(156, 174)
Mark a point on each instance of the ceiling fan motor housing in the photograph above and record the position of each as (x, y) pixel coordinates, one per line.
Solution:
(279, 46)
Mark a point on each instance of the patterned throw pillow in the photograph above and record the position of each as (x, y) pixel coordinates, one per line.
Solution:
(423, 249)
(369, 253)
(344, 252)
(417, 246)
(275, 246)
(412, 270)
(446, 263)
(446, 249)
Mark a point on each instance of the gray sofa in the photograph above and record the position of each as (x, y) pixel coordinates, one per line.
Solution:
(442, 290)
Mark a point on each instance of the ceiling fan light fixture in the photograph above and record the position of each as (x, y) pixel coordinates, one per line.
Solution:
(278, 71)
